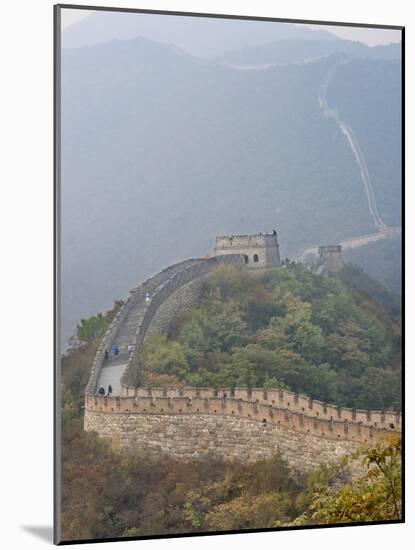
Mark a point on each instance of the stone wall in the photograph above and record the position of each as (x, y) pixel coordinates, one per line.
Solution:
(235, 407)
(166, 296)
(135, 296)
(180, 301)
(230, 428)
(330, 257)
(198, 436)
(279, 399)
(106, 343)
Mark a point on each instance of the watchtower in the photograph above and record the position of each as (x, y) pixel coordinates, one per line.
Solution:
(260, 251)
(330, 257)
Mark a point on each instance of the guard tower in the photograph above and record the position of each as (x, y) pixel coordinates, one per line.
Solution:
(330, 258)
(259, 251)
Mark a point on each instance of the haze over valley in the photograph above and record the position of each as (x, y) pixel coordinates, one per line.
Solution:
(172, 138)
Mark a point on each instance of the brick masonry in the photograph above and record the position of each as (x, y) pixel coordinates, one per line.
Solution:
(193, 436)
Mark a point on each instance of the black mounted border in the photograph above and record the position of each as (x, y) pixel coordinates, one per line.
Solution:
(56, 216)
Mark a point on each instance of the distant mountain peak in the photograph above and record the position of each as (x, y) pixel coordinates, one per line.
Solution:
(197, 36)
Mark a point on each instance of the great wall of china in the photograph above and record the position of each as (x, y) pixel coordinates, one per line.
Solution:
(228, 423)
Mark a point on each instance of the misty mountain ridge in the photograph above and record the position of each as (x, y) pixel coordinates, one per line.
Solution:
(198, 36)
(301, 51)
(162, 151)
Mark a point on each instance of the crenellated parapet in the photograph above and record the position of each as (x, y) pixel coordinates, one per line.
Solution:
(281, 399)
(265, 406)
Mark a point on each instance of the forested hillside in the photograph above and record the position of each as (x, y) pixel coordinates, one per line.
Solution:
(272, 330)
(329, 338)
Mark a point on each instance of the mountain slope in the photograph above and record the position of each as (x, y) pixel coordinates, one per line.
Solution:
(161, 152)
(382, 260)
(367, 94)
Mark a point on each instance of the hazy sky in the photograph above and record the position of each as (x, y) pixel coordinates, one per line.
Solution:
(372, 37)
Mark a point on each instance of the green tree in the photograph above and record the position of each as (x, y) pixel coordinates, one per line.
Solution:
(91, 328)
(375, 496)
(165, 357)
(250, 512)
(311, 334)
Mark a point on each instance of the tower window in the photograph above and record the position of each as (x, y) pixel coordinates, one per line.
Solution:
(256, 259)
(246, 259)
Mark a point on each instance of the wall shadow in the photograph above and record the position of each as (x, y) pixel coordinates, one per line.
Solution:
(43, 532)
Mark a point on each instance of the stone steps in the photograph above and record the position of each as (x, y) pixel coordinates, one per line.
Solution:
(127, 331)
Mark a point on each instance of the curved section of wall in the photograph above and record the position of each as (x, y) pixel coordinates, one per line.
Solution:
(230, 429)
(194, 436)
(262, 412)
(179, 301)
(279, 399)
(166, 297)
(133, 304)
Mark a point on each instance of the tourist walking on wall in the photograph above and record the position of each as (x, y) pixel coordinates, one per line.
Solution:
(116, 350)
(109, 389)
(106, 355)
(101, 390)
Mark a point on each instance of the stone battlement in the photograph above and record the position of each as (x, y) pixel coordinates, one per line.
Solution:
(255, 240)
(161, 401)
(281, 399)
